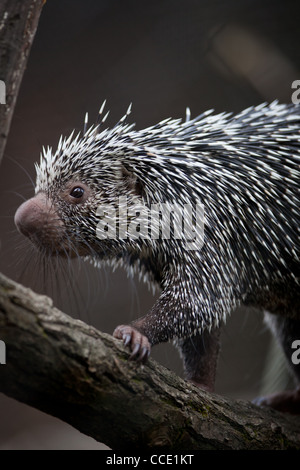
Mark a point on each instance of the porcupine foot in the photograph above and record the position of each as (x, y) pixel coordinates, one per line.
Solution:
(199, 353)
(138, 343)
(287, 330)
(287, 401)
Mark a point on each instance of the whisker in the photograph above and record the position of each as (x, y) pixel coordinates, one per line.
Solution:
(16, 162)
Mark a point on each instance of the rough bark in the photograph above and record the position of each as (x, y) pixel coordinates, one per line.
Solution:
(18, 24)
(74, 372)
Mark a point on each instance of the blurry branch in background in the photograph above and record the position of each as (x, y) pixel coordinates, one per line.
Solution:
(72, 371)
(252, 61)
(18, 24)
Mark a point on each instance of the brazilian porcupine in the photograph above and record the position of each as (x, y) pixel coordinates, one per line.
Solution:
(244, 169)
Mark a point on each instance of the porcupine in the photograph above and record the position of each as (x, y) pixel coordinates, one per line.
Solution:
(243, 168)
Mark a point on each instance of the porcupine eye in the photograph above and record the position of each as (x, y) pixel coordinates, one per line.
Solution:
(77, 192)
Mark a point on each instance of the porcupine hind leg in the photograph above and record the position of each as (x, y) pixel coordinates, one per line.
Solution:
(287, 331)
(200, 356)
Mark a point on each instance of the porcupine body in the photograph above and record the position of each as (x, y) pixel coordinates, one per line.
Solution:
(244, 169)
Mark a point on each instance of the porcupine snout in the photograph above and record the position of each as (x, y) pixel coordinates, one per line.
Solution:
(38, 220)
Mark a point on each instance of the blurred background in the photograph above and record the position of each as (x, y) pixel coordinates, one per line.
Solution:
(162, 56)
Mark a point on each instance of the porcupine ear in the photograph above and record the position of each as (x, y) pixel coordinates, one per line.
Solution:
(132, 182)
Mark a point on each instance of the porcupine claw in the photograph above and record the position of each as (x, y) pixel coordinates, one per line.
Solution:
(138, 343)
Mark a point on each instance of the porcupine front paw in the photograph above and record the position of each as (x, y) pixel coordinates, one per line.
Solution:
(138, 343)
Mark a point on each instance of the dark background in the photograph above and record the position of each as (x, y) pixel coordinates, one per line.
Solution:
(162, 56)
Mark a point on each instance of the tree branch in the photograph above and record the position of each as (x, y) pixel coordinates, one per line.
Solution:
(74, 372)
(18, 24)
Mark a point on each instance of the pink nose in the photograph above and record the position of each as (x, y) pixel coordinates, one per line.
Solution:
(31, 216)
(39, 220)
